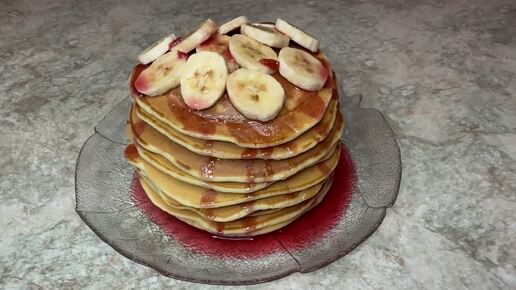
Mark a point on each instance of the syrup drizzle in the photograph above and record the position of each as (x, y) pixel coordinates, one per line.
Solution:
(220, 228)
(138, 128)
(267, 170)
(316, 109)
(208, 212)
(249, 223)
(249, 172)
(208, 198)
(208, 167)
(131, 153)
(266, 152)
(186, 117)
(136, 72)
(248, 206)
(307, 229)
(250, 185)
(208, 146)
(249, 153)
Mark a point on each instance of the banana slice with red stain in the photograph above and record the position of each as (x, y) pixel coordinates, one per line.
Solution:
(302, 69)
(248, 53)
(162, 75)
(220, 44)
(203, 81)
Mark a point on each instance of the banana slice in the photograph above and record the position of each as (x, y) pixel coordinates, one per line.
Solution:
(156, 50)
(254, 94)
(203, 80)
(269, 25)
(302, 69)
(162, 75)
(266, 35)
(248, 53)
(219, 44)
(197, 36)
(297, 35)
(232, 24)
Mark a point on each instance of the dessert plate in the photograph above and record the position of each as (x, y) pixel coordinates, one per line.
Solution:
(111, 202)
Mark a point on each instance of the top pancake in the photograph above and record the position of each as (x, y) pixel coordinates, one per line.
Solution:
(228, 150)
(302, 110)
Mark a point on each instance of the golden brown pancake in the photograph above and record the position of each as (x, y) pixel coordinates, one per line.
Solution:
(237, 211)
(302, 110)
(195, 196)
(247, 226)
(228, 150)
(236, 170)
(234, 187)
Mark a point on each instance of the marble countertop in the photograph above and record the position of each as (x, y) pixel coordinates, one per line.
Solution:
(442, 72)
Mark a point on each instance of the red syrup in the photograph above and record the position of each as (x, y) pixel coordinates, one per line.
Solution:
(182, 55)
(270, 63)
(137, 71)
(309, 228)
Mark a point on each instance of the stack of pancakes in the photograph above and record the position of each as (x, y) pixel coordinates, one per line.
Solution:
(231, 176)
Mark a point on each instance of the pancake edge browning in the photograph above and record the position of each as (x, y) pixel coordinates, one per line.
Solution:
(247, 229)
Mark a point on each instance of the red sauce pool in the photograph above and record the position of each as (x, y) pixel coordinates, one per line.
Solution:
(309, 228)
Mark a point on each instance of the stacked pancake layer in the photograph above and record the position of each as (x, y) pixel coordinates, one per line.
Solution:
(224, 173)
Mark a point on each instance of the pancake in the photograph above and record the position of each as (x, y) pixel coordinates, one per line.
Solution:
(302, 110)
(199, 197)
(236, 170)
(235, 153)
(227, 150)
(266, 211)
(234, 212)
(247, 226)
(237, 187)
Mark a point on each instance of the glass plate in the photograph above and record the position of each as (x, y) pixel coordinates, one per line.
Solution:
(110, 201)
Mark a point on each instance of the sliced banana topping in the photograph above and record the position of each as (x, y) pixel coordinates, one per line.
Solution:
(266, 35)
(219, 44)
(156, 50)
(248, 53)
(203, 76)
(255, 95)
(302, 69)
(203, 81)
(162, 75)
(297, 35)
(233, 24)
(197, 36)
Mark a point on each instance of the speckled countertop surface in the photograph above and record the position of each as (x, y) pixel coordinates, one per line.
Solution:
(442, 72)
